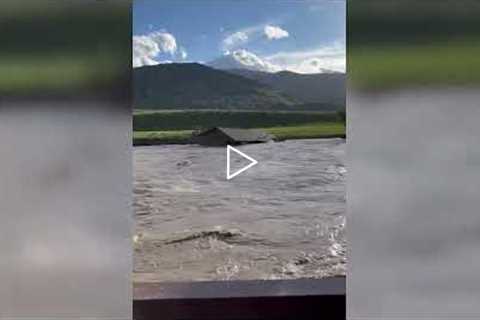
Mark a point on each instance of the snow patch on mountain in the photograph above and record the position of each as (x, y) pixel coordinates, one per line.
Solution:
(243, 59)
(308, 64)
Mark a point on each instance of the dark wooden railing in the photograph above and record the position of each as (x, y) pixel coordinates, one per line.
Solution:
(241, 300)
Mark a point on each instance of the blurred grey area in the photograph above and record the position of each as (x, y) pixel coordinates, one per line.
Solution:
(413, 199)
(65, 174)
(413, 158)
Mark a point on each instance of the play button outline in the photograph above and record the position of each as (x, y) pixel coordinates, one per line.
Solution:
(236, 173)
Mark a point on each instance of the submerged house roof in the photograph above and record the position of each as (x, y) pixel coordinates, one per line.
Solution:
(218, 136)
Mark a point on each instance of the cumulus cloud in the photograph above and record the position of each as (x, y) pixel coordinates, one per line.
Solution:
(240, 38)
(166, 41)
(146, 48)
(144, 51)
(235, 39)
(274, 32)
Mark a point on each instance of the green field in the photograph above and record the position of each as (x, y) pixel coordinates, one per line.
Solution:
(191, 120)
(176, 126)
(306, 131)
(309, 131)
(161, 137)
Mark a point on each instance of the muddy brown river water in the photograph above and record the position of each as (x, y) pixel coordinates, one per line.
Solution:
(282, 219)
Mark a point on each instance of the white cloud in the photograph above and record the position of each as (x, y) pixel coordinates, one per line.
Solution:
(273, 32)
(166, 41)
(235, 39)
(147, 47)
(318, 60)
(240, 38)
(183, 53)
(323, 59)
(144, 51)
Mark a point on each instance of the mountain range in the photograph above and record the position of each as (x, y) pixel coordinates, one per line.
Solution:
(326, 88)
(235, 86)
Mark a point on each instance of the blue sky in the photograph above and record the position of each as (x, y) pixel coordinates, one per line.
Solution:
(280, 32)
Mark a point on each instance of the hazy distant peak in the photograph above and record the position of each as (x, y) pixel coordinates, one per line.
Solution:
(243, 59)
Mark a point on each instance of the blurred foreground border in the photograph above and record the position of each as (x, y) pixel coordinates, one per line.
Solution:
(407, 44)
(65, 48)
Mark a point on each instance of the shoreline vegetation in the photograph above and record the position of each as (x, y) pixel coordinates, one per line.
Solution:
(176, 127)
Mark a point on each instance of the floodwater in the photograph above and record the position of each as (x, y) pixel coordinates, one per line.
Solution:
(282, 219)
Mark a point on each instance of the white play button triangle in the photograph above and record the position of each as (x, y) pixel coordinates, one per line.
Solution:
(236, 173)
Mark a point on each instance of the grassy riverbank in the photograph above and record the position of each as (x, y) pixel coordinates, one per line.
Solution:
(169, 120)
(306, 131)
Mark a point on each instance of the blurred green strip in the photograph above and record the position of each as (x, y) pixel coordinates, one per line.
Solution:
(411, 21)
(388, 67)
(54, 73)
